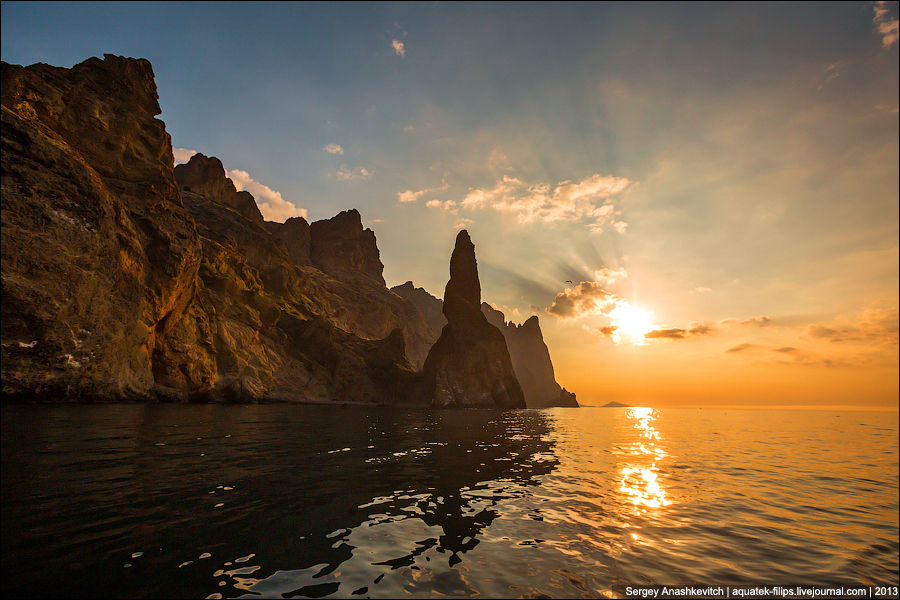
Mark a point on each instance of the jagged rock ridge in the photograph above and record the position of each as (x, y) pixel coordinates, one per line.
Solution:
(531, 361)
(430, 307)
(123, 281)
(469, 365)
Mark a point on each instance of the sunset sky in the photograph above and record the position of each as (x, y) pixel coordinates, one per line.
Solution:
(700, 201)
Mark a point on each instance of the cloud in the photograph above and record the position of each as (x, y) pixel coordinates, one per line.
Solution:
(609, 276)
(585, 299)
(608, 331)
(345, 173)
(761, 321)
(874, 326)
(741, 348)
(886, 25)
(333, 149)
(411, 196)
(399, 48)
(701, 290)
(182, 155)
(272, 206)
(668, 334)
(588, 201)
(697, 328)
(785, 350)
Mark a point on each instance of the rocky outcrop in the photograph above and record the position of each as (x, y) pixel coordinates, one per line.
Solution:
(294, 233)
(121, 282)
(531, 360)
(469, 365)
(99, 255)
(207, 177)
(430, 307)
(341, 247)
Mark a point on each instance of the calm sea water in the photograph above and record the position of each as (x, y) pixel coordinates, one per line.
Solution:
(282, 501)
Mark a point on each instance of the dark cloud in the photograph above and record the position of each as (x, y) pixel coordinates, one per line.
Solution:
(786, 350)
(668, 334)
(700, 329)
(740, 348)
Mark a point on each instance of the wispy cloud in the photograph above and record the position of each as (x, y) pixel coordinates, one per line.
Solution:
(886, 25)
(873, 326)
(272, 206)
(399, 48)
(741, 348)
(345, 173)
(700, 290)
(182, 155)
(411, 196)
(610, 276)
(761, 321)
(333, 149)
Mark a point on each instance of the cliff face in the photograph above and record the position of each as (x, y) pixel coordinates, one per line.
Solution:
(469, 365)
(430, 307)
(340, 247)
(206, 176)
(99, 255)
(123, 281)
(531, 361)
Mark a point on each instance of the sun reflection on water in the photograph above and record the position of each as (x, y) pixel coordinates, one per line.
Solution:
(638, 482)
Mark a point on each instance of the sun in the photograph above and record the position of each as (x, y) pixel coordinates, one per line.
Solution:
(630, 322)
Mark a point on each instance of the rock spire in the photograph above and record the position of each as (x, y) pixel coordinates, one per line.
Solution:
(469, 365)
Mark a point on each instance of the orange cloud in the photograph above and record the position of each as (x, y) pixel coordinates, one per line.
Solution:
(586, 298)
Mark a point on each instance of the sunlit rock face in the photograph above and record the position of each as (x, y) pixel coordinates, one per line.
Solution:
(469, 365)
(340, 246)
(206, 176)
(98, 251)
(121, 282)
(531, 361)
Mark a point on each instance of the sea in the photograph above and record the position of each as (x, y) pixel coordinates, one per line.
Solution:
(310, 501)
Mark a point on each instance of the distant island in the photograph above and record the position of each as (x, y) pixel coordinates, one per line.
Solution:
(129, 278)
(616, 405)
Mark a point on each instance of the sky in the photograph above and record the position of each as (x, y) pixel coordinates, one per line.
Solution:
(698, 200)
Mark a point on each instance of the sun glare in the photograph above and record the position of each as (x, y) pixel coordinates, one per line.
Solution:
(631, 323)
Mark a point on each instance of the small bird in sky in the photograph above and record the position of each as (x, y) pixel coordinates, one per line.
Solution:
(568, 281)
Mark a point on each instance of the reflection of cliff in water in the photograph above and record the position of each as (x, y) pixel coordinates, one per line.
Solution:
(474, 463)
(448, 469)
(301, 490)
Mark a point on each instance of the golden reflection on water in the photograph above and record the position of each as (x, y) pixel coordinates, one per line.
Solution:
(641, 483)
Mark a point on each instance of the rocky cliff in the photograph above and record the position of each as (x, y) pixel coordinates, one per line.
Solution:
(531, 361)
(430, 307)
(206, 176)
(527, 350)
(469, 365)
(125, 278)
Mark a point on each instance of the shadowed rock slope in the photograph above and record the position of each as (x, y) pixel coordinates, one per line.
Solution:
(469, 365)
(124, 278)
(531, 361)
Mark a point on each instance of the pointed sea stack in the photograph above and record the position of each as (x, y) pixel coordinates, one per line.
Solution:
(469, 366)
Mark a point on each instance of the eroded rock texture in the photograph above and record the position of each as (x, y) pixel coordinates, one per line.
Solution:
(122, 281)
(99, 255)
(469, 365)
(531, 361)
